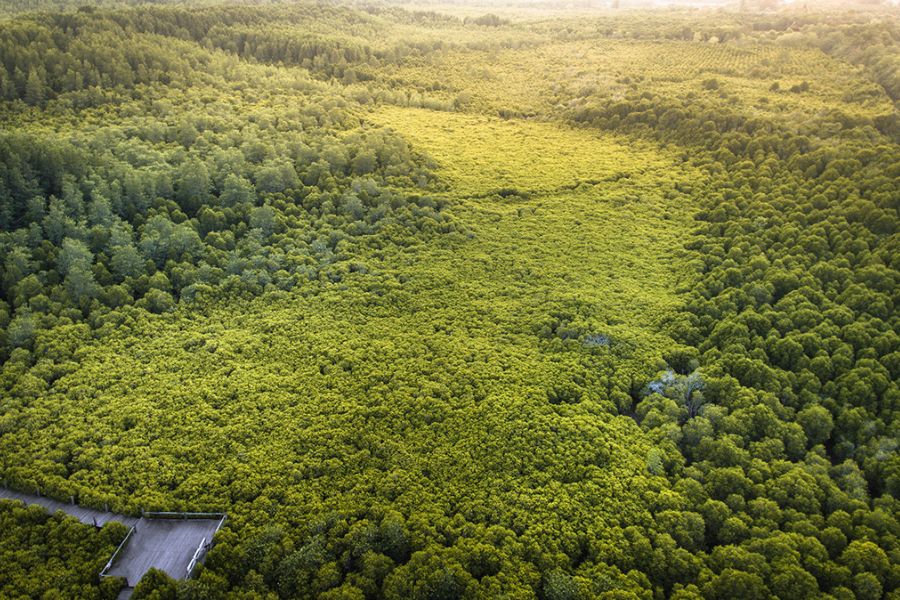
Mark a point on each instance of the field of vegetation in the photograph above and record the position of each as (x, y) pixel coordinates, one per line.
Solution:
(443, 304)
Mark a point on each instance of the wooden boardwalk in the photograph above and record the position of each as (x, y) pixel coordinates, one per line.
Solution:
(88, 516)
(173, 545)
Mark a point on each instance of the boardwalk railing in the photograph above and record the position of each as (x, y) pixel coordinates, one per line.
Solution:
(181, 515)
(204, 546)
(115, 555)
(197, 554)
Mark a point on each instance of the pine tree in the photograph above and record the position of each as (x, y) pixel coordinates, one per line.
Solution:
(34, 88)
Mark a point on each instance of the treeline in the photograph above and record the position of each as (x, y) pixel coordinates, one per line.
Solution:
(16, 7)
(734, 135)
(47, 55)
(855, 38)
(873, 45)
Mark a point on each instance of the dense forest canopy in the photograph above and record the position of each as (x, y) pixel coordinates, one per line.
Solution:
(454, 302)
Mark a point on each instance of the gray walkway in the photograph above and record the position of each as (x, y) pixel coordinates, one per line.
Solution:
(88, 516)
(167, 544)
